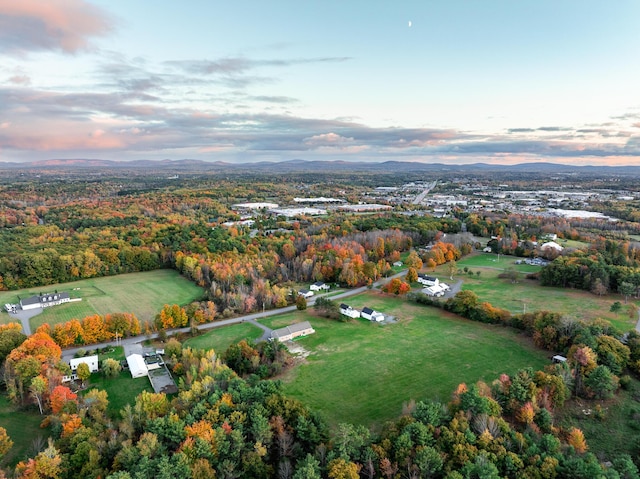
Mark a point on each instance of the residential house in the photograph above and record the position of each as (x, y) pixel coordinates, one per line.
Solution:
(372, 315)
(305, 293)
(349, 311)
(319, 286)
(428, 280)
(44, 300)
(294, 331)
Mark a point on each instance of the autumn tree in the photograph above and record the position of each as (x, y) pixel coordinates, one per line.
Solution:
(38, 354)
(301, 303)
(111, 368)
(412, 275)
(59, 397)
(83, 372)
(5, 443)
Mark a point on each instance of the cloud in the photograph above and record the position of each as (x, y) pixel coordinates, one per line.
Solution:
(62, 25)
(20, 80)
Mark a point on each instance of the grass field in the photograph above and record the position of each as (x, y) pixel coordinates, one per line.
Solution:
(219, 339)
(23, 428)
(362, 372)
(529, 295)
(493, 261)
(143, 294)
(121, 390)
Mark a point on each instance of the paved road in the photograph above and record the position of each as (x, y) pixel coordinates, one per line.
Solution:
(132, 345)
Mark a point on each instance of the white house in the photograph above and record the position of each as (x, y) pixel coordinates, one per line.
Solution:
(428, 280)
(91, 361)
(397, 264)
(305, 293)
(319, 286)
(44, 300)
(372, 315)
(349, 311)
(137, 366)
(296, 330)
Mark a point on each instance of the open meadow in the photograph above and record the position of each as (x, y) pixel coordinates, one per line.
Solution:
(363, 372)
(219, 339)
(528, 295)
(143, 294)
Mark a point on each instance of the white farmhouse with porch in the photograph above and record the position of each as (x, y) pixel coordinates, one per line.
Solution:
(349, 311)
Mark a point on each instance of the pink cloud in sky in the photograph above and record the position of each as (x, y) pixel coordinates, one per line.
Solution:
(66, 25)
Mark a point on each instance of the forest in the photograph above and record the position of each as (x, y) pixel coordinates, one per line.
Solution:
(230, 418)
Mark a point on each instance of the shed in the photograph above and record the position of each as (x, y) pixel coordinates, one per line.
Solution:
(137, 366)
(559, 359)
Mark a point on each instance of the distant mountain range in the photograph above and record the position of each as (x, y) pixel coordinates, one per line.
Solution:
(292, 166)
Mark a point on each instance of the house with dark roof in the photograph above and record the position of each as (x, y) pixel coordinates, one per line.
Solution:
(372, 315)
(427, 280)
(296, 330)
(319, 286)
(349, 311)
(44, 300)
(305, 293)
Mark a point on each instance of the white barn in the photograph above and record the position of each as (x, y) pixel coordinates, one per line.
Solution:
(137, 366)
(44, 300)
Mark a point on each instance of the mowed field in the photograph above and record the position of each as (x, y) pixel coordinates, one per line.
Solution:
(143, 294)
(363, 372)
(529, 295)
(219, 339)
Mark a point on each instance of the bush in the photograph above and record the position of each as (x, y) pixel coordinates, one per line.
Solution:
(625, 382)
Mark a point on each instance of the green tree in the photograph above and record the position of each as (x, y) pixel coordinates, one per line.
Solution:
(111, 368)
(83, 372)
(308, 468)
(601, 382)
(38, 389)
(626, 289)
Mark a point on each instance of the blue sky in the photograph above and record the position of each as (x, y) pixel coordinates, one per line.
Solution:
(436, 81)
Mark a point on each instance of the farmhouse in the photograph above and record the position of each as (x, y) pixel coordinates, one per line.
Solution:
(44, 300)
(294, 331)
(372, 315)
(305, 293)
(428, 280)
(91, 361)
(319, 286)
(137, 366)
(349, 311)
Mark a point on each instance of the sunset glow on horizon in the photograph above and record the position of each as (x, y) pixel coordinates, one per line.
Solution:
(432, 81)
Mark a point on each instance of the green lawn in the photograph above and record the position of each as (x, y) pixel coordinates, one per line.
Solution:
(494, 261)
(143, 294)
(219, 339)
(362, 372)
(515, 297)
(121, 390)
(23, 428)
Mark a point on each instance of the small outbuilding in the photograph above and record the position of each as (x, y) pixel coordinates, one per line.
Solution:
(559, 359)
(137, 366)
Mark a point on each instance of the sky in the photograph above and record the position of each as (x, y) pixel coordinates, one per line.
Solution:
(437, 81)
